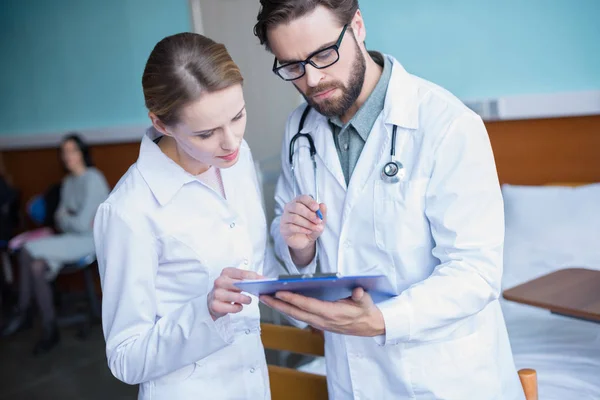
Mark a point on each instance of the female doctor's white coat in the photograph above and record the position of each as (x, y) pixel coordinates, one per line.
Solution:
(440, 230)
(162, 238)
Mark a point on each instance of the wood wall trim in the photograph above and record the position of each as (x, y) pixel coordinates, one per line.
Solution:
(541, 151)
(527, 152)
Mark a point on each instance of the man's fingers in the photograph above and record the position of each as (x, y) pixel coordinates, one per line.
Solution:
(308, 304)
(357, 294)
(307, 201)
(362, 298)
(301, 210)
(295, 219)
(291, 310)
(293, 229)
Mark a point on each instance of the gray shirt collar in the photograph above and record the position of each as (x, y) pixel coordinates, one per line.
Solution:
(366, 116)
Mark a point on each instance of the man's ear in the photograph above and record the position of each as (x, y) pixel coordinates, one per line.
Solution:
(358, 27)
(159, 125)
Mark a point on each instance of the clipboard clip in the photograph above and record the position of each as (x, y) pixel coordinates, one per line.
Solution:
(308, 276)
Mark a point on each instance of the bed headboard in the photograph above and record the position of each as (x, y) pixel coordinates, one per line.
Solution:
(542, 151)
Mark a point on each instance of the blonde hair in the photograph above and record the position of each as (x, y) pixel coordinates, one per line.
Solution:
(180, 68)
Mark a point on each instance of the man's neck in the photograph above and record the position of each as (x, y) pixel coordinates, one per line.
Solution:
(373, 72)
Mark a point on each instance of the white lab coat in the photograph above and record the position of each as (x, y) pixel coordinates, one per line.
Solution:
(162, 238)
(440, 230)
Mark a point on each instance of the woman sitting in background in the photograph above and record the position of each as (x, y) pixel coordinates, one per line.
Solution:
(83, 190)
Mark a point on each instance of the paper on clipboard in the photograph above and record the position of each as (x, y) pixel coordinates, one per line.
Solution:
(327, 287)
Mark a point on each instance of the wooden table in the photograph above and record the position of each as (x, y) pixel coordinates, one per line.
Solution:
(574, 292)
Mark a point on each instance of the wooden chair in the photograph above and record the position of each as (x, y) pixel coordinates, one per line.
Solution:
(291, 384)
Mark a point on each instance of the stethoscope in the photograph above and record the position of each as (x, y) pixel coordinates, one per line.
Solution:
(392, 172)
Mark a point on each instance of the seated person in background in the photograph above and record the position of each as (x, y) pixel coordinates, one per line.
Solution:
(41, 210)
(83, 189)
(8, 223)
(8, 196)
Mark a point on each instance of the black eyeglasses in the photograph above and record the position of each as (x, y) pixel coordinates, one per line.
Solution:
(319, 59)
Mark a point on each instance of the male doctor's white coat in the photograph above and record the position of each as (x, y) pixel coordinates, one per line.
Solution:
(441, 229)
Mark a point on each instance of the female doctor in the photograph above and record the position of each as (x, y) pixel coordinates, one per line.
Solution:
(180, 228)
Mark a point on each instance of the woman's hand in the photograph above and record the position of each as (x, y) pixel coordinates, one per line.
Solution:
(225, 298)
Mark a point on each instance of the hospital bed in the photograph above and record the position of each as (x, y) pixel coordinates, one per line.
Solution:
(550, 228)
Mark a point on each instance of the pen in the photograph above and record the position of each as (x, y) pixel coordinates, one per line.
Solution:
(319, 214)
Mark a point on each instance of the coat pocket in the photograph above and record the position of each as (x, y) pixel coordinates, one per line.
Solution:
(455, 369)
(399, 214)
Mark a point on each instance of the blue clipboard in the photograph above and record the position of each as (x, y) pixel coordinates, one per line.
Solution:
(327, 287)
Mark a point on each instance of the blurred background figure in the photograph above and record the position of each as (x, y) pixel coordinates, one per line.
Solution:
(9, 215)
(41, 258)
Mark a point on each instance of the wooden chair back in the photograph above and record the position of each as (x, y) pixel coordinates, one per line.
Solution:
(289, 383)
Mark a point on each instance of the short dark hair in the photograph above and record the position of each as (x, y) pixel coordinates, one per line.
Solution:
(81, 145)
(180, 68)
(275, 12)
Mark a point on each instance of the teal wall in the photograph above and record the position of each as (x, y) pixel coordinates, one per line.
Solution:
(77, 64)
(480, 49)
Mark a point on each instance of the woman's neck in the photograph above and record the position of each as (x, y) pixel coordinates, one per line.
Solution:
(79, 171)
(168, 146)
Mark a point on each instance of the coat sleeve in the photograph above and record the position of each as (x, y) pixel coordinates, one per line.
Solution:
(465, 210)
(139, 345)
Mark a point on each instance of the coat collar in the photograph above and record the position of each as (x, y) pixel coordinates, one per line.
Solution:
(163, 176)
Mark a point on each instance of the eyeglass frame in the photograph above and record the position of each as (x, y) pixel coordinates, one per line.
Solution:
(335, 46)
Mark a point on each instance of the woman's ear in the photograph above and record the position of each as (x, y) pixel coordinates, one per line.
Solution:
(159, 125)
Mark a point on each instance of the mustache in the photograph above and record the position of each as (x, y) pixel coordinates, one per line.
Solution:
(323, 87)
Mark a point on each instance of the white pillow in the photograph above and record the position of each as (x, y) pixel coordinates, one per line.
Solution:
(549, 228)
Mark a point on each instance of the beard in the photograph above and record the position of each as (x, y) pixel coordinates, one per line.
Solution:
(338, 106)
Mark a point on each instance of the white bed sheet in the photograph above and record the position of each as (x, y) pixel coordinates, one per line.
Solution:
(564, 351)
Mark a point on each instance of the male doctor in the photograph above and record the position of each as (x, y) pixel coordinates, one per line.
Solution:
(439, 228)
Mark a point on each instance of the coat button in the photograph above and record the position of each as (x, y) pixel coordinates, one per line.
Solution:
(252, 370)
(245, 261)
(232, 225)
(247, 331)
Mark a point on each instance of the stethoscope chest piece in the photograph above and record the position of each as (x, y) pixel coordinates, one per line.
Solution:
(392, 172)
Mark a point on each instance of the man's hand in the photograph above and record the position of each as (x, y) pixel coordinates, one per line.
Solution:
(357, 315)
(225, 298)
(300, 227)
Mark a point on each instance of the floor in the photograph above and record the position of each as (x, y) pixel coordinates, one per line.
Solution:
(75, 369)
